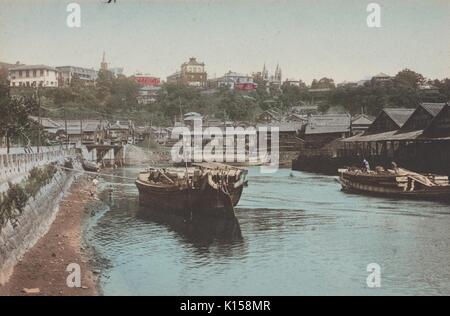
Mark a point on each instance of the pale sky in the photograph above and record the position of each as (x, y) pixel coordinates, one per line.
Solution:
(308, 38)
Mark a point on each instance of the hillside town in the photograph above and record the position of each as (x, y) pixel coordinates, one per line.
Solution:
(312, 119)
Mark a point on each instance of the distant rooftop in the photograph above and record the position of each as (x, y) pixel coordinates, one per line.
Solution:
(193, 62)
(235, 74)
(31, 67)
(328, 123)
(381, 75)
(362, 119)
(77, 67)
(399, 116)
(433, 108)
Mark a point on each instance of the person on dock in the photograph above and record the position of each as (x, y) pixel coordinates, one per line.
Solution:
(93, 190)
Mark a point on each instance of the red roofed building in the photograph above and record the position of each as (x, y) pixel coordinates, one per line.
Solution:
(146, 80)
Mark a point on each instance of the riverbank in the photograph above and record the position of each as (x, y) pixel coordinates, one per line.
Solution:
(42, 270)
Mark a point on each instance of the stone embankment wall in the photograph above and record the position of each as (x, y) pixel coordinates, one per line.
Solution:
(40, 211)
(14, 167)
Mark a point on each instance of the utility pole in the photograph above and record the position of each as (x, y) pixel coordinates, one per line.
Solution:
(81, 127)
(65, 126)
(181, 111)
(39, 119)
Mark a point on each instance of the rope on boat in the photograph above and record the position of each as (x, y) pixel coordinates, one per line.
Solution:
(226, 193)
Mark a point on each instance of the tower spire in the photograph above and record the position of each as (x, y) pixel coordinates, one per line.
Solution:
(278, 72)
(103, 64)
(265, 73)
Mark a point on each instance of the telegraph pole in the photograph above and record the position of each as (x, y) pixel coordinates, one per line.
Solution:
(65, 126)
(39, 119)
(81, 127)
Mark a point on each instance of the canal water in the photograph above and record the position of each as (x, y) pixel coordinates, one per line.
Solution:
(300, 235)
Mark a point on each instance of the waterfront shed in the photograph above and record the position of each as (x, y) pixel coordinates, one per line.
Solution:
(421, 117)
(389, 119)
(322, 129)
(440, 125)
(268, 116)
(360, 123)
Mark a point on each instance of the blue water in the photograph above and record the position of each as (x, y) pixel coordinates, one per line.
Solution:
(300, 236)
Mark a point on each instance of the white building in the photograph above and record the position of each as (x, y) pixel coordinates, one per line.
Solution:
(193, 73)
(33, 76)
(381, 78)
(147, 94)
(232, 79)
(117, 71)
(67, 73)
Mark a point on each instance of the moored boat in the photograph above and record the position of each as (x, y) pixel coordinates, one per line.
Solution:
(398, 182)
(203, 189)
(89, 166)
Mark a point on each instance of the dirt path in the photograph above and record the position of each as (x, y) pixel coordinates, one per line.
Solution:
(44, 266)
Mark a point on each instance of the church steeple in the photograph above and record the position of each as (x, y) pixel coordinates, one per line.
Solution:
(103, 64)
(265, 73)
(277, 76)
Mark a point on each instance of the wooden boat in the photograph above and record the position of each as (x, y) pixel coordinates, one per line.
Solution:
(68, 163)
(246, 164)
(203, 189)
(395, 183)
(89, 166)
(246, 160)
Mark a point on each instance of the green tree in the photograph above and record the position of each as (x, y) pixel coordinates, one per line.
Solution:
(324, 83)
(14, 117)
(174, 100)
(409, 78)
(4, 82)
(238, 107)
(444, 88)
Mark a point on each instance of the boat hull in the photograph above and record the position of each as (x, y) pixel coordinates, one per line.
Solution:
(90, 166)
(198, 202)
(435, 193)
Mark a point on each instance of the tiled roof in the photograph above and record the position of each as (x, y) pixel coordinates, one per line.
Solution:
(362, 119)
(328, 123)
(32, 67)
(119, 125)
(433, 108)
(73, 126)
(46, 122)
(385, 136)
(381, 75)
(193, 62)
(399, 116)
(283, 126)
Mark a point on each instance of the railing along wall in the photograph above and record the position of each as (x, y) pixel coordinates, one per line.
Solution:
(12, 164)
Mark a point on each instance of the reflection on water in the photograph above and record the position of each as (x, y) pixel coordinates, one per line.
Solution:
(296, 234)
(196, 229)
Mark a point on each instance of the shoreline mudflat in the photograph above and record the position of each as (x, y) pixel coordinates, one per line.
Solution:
(42, 270)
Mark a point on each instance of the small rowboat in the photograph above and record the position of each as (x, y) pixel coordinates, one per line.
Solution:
(90, 166)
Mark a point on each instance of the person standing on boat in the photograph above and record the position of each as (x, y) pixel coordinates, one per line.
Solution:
(366, 165)
(395, 167)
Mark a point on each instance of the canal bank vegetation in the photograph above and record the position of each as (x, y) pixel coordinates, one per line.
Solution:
(14, 200)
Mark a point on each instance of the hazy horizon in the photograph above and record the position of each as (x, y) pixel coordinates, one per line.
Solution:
(309, 39)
